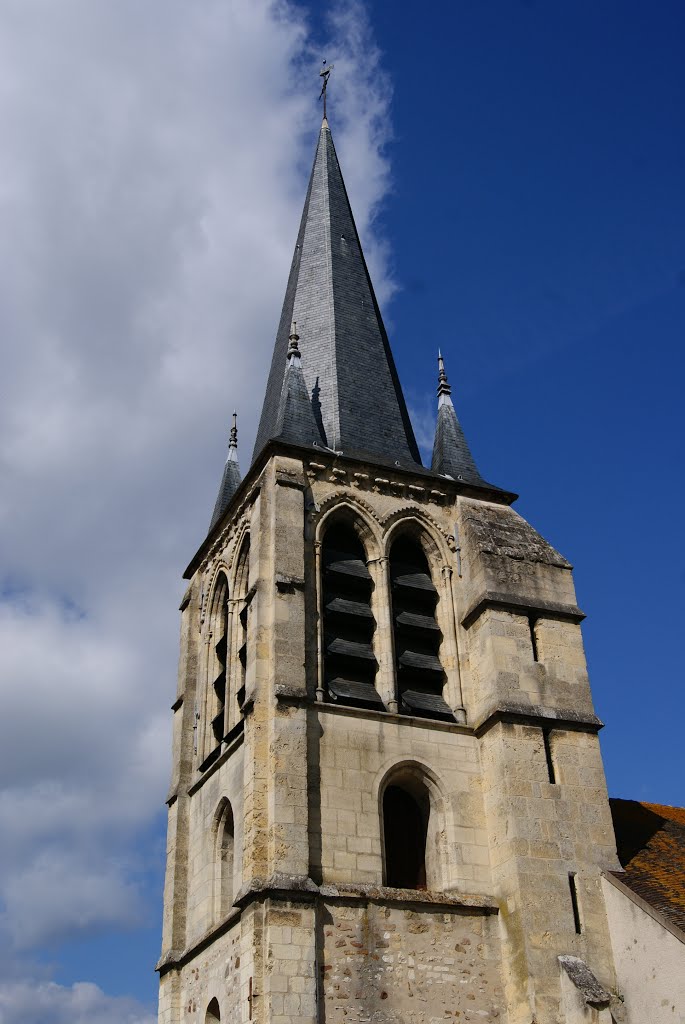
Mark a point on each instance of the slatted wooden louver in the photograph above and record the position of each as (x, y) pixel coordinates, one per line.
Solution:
(348, 623)
(420, 675)
(216, 686)
(242, 589)
(220, 679)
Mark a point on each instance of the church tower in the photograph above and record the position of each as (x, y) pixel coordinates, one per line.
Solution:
(387, 801)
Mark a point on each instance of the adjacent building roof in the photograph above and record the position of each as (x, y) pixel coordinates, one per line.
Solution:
(348, 368)
(650, 840)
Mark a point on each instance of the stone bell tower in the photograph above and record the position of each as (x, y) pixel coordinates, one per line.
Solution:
(387, 801)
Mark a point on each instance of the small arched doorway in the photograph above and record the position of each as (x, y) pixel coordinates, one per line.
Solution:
(213, 1013)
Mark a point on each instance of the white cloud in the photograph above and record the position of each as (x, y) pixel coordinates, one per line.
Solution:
(154, 164)
(28, 1002)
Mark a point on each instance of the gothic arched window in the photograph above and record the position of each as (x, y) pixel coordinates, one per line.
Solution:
(348, 623)
(420, 675)
(225, 859)
(217, 674)
(242, 593)
(406, 812)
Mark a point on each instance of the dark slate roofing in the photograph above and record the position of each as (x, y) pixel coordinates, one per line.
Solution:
(230, 479)
(650, 839)
(451, 453)
(348, 368)
(295, 419)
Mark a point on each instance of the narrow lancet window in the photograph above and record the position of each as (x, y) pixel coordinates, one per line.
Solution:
(575, 906)
(226, 860)
(532, 623)
(420, 675)
(348, 622)
(547, 742)
(405, 828)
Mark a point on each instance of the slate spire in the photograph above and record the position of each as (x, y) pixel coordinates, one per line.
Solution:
(295, 420)
(231, 477)
(451, 454)
(348, 371)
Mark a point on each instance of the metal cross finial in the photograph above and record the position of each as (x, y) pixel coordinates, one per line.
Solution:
(233, 442)
(325, 74)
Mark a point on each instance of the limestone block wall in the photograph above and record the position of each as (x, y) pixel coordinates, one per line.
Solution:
(502, 664)
(288, 989)
(206, 804)
(392, 963)
(540, 833)
(354, 755)
(217, 972)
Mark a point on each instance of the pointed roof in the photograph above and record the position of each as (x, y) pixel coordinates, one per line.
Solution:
(231, 476)
(349, 372)
(451, 453)
(295, 419)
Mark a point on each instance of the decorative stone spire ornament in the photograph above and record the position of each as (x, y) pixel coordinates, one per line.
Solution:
(233, 439)
(230, 481)
(294, 358)
(451, 454)
(295, 420)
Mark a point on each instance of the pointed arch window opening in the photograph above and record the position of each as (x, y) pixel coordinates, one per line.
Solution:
(226, 861)
(213, 1014)
(348, 625)
(420, 677)
(242, 582)
(217, 673)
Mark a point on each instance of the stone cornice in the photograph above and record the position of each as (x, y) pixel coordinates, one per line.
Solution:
(301, 889)
(358, 468)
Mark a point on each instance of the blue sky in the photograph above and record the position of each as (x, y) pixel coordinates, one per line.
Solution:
(516, 172)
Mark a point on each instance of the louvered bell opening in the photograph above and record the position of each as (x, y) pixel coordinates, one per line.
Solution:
(420, 675)
(242, 650)
(220, 688)
(218, 726)
(219, 682)
(349, 663)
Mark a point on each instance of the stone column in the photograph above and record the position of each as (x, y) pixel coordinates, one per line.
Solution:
(383, 641)
(454, 671)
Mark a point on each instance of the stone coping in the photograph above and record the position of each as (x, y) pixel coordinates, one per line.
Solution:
(522, 605)
(423, 899)
(532, 714)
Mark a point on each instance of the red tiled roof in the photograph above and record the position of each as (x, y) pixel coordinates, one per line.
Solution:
(650, 839)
